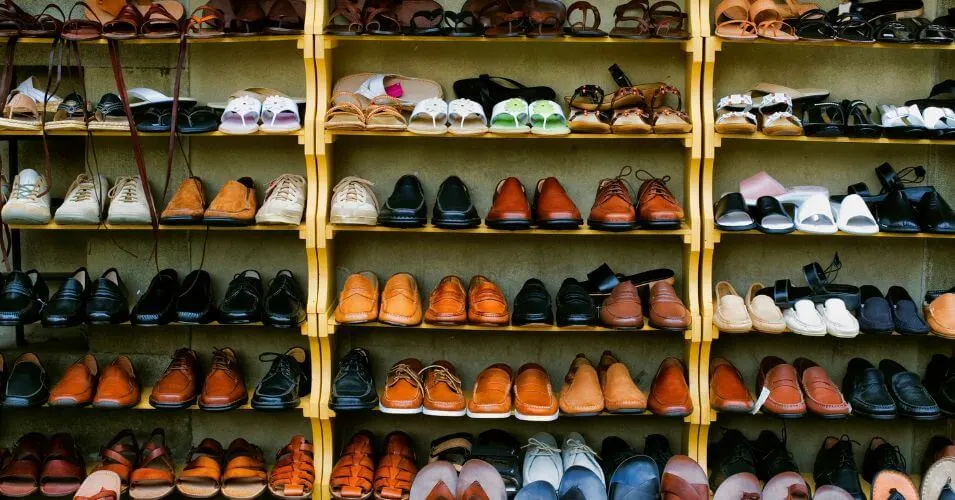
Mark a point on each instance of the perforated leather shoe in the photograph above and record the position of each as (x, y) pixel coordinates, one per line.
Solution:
(510, 209)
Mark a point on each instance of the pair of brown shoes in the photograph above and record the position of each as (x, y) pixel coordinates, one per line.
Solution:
(399, 304)
(623, 308)
(484, 303)
(588, 390)
(116, 387)
(414, 388)
(178, 386)
(787, 385)
(553, 208)
(235, 205)
(356, 475)
(615, 210)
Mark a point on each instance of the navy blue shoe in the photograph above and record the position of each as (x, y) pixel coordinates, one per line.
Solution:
(580, 483)
(538, 490)
(636, 477)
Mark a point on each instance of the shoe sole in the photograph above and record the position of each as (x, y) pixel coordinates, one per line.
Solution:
(488, 415)
(560, 223)
(221, 408)
(510, 225)
(444, 413)
(354, 220)
(172, 406)
(660, 224)
(66, 220)
(399, 411)
(536, 418)
(262, 406)
(611, 226)
(277, 220)
(180, 220)
(225, 221)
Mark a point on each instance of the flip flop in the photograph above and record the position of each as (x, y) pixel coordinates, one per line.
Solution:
(101, 484)
(510, 117)
(853, 216)
(547, 118)
(771, 217)
(732, 21)
(466, 117)
(738, 486)
(384, 113)
(280, 115)
(815, 216)
(786, 485)
(684, 479)
(430, 117)
(893, 484)
(241, 115)
(438, 479)
(939, 476)
(197, 120)
(803, 319)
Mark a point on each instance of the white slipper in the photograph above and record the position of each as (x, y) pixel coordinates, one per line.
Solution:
(901, 116)
(430, 117)
(803, 319)
(839, 321)
(466, 117)
(815, 215)
(280, 115)
(854, 217)
(241, 115)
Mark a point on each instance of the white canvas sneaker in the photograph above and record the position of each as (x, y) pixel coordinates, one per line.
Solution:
(85, 201)
(127, 202)
(284, 201)
(354, 202)
(26, 205)
(576, 452)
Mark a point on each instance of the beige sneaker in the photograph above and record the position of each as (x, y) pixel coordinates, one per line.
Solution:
(127, 202)
(85, 201)
(284, 201)
(29, 201)
(354, 202)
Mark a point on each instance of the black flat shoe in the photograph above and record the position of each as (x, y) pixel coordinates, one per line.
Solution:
(532, 306)
(284, 304)
(286, 382)
(107, 304)
(575, 307)
(935, 215)
(157, 306)
(405, 207)
(23, 298)
(453, 208)
(243, 299)
(905, 313)
(67, 307)
(896, 215)
(940, 382)
(774, 458)
(875, 313)
(28, 383)
(195, 304)
(864, 388)
(911, 397)
(354, 386)
(836, 465)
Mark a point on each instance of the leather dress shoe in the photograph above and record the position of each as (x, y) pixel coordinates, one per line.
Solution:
(864, 388)
(77, 385)
(403, 392)
(107, 302)
(667, 311)
(400, 301)
(823, 397)
(224, 387)
(575, 307)
(405, 207)
(447, 304)
(553, 208)
(27, 383)
(486, 303)
(613, 209)
(911, 397)
(532, 305)
(938, 448)
(118, 386)
(836, 465)
(358, 300)
(234, 205)
(581, 394)
(195, 303)
(286, 382)
(935, 215)
(443, 392)
(243, 299)
(773, 456)
(940, 315)
(875, 313)
(178, 386)
(453, 208)
(354, 386)
(620, 392)
(896, 215)
(635, 477)
(23, 298)
(731, 455)
(188, 205)
(785, 399)
(622, 309)
(727, 392)
(284, 303)
(534, 397)
(581, 483)
(905, 314)
(491, 397)
(67, 307)
(510, 209)
(879, 456)
(669, 393)
(157, 306)
(940, 382)
(656, 206)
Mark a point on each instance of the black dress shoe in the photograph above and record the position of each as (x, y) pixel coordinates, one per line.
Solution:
(23, 297)
(287, 380)
(107, 304)
(732, 454)
(905, 314)
(657, 447)
(158, 305)
(935, 215)
(284, 304)
(28, 384)
(896, 215)
(911, 397)
(532, 306)
(613, 452)
(243, 299)
(940, 382)
(772, 456)
(195, 303)
(405, 207)
(575, 307)
(835, 465)
(354, 386)
(453, 208)
(864, 388)
(879, 456)
(875, 313)
(67, 307)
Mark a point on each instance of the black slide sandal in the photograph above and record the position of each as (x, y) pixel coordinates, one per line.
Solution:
(732, 215)
(853, 28)
(813, 26)
(824, 119)
(859, 121)
(892, 31)
(772, 217)
(819, 290)
(930, 33)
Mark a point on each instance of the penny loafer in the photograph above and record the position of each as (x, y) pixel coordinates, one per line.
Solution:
(823, 397)
(405, 207)
(864, 388)
(727, 392)
(453, 208)
(27, 384)
(575, 307)
(23, 298)
(67, 307)
(286, 382)
(284, 304)
(107, 304)
(911, 397)
(532, 305)
(785, 398)
(243, 299)
(157, 306)
(486, 303)
(447, 304)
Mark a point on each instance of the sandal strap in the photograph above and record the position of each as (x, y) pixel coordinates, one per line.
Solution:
(584, 7)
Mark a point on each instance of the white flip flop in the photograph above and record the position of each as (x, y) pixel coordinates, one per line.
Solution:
(803, 319)
(815, 215)
(854, 217)
(430, 117)
(280, 115)
(466, 117)
(241, 115)
(839, 321)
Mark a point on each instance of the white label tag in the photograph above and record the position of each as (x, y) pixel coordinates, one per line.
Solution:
(763, 396)
(844, 7)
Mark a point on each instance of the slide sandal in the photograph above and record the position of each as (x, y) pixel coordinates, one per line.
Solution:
(102, 484)
(245, 475)
(732, 21)
(902, 122)
(891, 484)
(823, 119)
(466, 117)
(815, 216)
(769, 22)
(859, 122)
(154, 119)
(547, 118)
(853, 216)
(731, 214)
(734, 115)
(786, 485)
(804, 319)
(778, 119)
(510, 117)
(346, 112)
(280, 115)
(241, 115)
(839, 321)
(771, 217)
(430, 117)
(853, 27)
(410, 91)
(941, 121)
(890, 30)
(384, 113)
(763, 184)
(938, 478)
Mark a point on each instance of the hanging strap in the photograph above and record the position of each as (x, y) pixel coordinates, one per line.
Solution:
(173, 135)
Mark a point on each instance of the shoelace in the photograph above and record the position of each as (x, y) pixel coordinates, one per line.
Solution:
(404, 372)
(442, 374)
(125, 190)
(655, 186)
(352, 363)
(894, 459)
(82, 188)
(178, 360)
(283, 366)
(574, 447)
(286, 187)
(220, 360)
(542, 447)
(27, 192)
(354, 189)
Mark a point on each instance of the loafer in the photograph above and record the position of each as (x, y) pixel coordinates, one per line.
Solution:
(622, 309)
(553, 208)
(157, 306)
(534, 398)
(940, 382)
(580, 483)
(940, 315)
(23, 298)
(354, 386)
(575, 307)
(405, 207)
(447, 304)
(731, 315)
(581, 394)
(27, 383)
(727, 392)
(491, 397)
(453, 208)
(636, 477)
(67, 307)
(195, 303)
(911, 397)
(486, 303)
(620, 393)
(188, 205)
(667, 311)
(532, 305)
(118, 386)
(178, 386)
(905, 314)
(935, 215)
(864, 388)
(284, 304)
(358, 300)
(234, 205)
(286, 382)
(509, 209)
(400, 301)
(107, 303)
(836, 466)
(875, 312)
(785, 399)
(669, 393)
(243, 299)
(823, 397)
(77, 385)
(542, 463)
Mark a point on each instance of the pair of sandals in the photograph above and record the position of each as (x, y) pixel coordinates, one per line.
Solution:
(910, 122)
(259, 110)
(857, 27)
(351, 111)
(517, 116)
(737, 114)
(902, 208)
(434, 116)
(636, 109)
(746, 20)
(851, 118)
(821, 288)
(386, 17)
(26, 106)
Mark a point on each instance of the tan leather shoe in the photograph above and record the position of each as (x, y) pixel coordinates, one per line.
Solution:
(763, 312)
(613, 209)
(667, 311)
(727, 391)
(118, 386)
(224, 387)
(491, 397)
(581, 395)
(656, 206)
(823, 397)
(621, 394)
(940, 315)
(400, 301)
(188, 205)
(447, 304)
(404, 391)
(486, 303)
(358, 300)
(730, 313)
(669, 394)
(443, 395)
(780, 378)
(76, 386)
(235, 205)
(622, 308)
(534, 398)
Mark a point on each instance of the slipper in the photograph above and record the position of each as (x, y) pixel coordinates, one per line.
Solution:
(797, 95)
(410, 91)
(940, 120)
(384, 113)
(763, 184)
(438, 478)
(815, 216)
(771, 217)
(763, 312)
(938, 478)
(103, 484)
(853, 216)
(547, 118)
(734, 115)
(893, 484)
(786, 485)
(466, 117)
(241, 115)
(280, 115)
(777, 113)
(346, 112)
(430, 117)
(839, 321)
(738, 486)
(803, 319)
(730, 315)
(731, 214)
(510, 117)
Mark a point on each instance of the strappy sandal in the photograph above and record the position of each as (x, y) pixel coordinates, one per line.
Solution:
(823, 119)
(158, 22)
(585, 113)
(634, 120)
(70, 115)
(734, 115)
(125, 25)
(582, 28)
(631, 20)
(384, 113)
(461, 24)
(859, 122)
(109, 114)
(345, 19)
(245, 474)
(420, 17)
(668, 21)
(45, 24)
(346, 112)
(121, 456)
(668, 119)
(82, 28)
(18, 478)
(293, 475)
(732, 20)
(286, 17)
(546, 18)
(197, 120)
(200, 478)
(206, 22)
(813, 25)
(381, 21)
(156, 475)
(769, 22)
(820, 288)
(776, 111)
(929, 32)
(853, 27)
(503, 24)
(589, 98)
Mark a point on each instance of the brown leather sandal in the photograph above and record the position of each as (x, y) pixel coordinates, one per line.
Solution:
(156, 475)
(380, 18)
(21, 474)
(420, 17)
(120, 455)
(79, 29)
(13, 18)
(286, 17)
(384, 113)
(200, 478)
(345, 18)
(45, 24)
(125, 25)
(504, 24)
(545, 18)
(158, 22)
(353, 474)
(396, 469)
(206, 22)
(293, 475)
(631, 20)
(346, 112)
(64, 468)
(668, 119)
(634, 120)
(668, 21)
(582, 28)
(248, 19)
(245, 474)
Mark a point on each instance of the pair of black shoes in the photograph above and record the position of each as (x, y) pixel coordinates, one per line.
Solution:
(354, 386)
(765, 457)
(165, 301)
(26, 299)
(287, 381)
(406, 206)
(283, 305)
(896, 311)
(532, 306)
(886, 392)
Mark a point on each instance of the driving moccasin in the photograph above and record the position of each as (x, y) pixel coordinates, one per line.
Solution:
(486, 303)
(235, 205)
(491, 397)
(730, 313)
(358, 300)
(534, 397)
(447, 304)
(581, 394)
(621, 394)
(400, 301)
(188, 204)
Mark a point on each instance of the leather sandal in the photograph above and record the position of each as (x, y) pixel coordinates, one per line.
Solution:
(732, 20)
(819, 290)
(13, 19)
(248, 18)
(293, 475)
(346, 112)
(120, 455)
(345, 19)
(582, 28)
(71, 114)
(158, 22)
(64, 468)
(506, 24)
(632, 20)
(125, 25)
(462, 24)
(206, 22)
(200, 478)
(769, 22)
(286, 17)
(381, 21)
(20, 476)
(45, 24)
(668, 21)
(668, 119)
(545, 18)
(384, 113)
(814, 26)
(79, 29)
(245, 475)
(156, 475)
(420, 17)
(396, 467)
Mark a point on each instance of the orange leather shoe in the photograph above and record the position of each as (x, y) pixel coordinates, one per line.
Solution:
(224, 388)
(727, 391)
(403, 394)
(443, 395)
(822, 395)
(400, 301)
(358, 300)
(491, 397)
(581, 395)
(780, 378)
(656, 206)
(667, 311)
(235, 205)
(510, 209)
(534, 398)
(447, 304)
(621, 394)
(118, 386)
(613, 209)
(396, 469)
(354, 473)
(622, 309)
(940, 315)
(486, 303)
(669, 394)
(188, 205)
(76, 386)
(553, 208)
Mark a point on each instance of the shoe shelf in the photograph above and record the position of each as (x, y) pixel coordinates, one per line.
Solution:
(718, 44)
(28, 134)
(684, 232)
(298, 39)
(862, 336)
(333, 40)
(718, 235)
(759, 136)
(647, 413)
(687, 139)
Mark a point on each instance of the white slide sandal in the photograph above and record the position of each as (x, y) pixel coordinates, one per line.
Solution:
(466, 117)
(938, 118)
(815, 216)
(803, 319)
(241, 115)
(430, 117)
(839, 321)
(854, 217)
(280, 115)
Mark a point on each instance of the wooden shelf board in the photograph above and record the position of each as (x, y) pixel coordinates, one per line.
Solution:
(144, 403)
(118, 133)
(334, 325)
(759, 136)
(514, 39)
(376, 410)
(834, 43)
(684, 231)
(145, 227)
(330, 136)
(752, 232)
(169, 41)
(717, 334)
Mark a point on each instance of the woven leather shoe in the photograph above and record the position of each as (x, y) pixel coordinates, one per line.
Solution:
(235, 205)
(188, 205)
(780, 378)
(534, 398)
(178, 386)
(622, 308)
(656, 206)
(581, 394)
(510, 209)
(358, 300)
(621, 394)
(396, 468)
(612, 210)
(353, 474)
(118, 386)
(823, 397)
(403, 393)
(667, 311)
(447, 304)
(727, 392)
(224, 388)
(553, 208)
(77, 385)
(400, 301)
(443, 393)
(491, 397)
(486, 303)
(669, 393)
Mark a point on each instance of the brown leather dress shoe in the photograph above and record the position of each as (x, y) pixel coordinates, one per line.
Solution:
(235, 205)
(400, 301)
(491, 397)
(727, 391)
(553, 208)
(581, 395)
(785, 398)
(510, 209)
(621, 394)
(443, 395)
(118, 386)
(667, 311)
(188, 205)
(656, 206)
(396, 469)
(669, 394)
(622, 308)
(613, 209)
(486, 303)
(353, 475)
(404, 389)
(76, 386)
(940, 315)
(447, 304)
(358, 300)
(224, 388)
(534, 398)
(823, 397)
(178, 386)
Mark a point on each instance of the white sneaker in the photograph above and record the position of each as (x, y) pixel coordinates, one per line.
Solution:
(26, 205)
(542, 461)
(127, 202)
(354, 202)
(576, 452)
(85, 201)
(284, 201)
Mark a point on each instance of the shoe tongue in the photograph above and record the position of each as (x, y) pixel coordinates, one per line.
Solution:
(29, 176)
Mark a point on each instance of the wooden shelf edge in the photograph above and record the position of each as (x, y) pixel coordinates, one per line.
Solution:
(145, 227)
(169, 41)
(147, 391)
(718, 138)
(684, 232)
(119, 133)
(687, 138)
